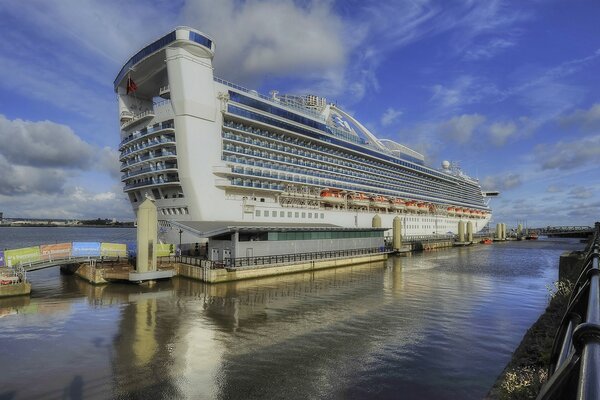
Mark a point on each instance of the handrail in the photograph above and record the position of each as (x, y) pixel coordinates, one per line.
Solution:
(574, 371)
(296, 257)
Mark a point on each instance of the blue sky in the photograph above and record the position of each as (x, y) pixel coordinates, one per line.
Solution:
(510, 90)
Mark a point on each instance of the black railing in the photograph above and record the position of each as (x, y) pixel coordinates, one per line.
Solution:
(575, 361)
(299, 257)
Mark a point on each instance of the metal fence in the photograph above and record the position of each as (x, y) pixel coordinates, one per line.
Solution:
(575, 361)
(298, 257)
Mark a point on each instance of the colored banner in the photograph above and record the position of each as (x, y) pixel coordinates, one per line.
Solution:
(131, 249)
(55, 251)
(113, 250)
(1, 259)
(86, 249)
(15, 257)
(164, 249)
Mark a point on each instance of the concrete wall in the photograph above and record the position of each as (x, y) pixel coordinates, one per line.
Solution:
(224, 275)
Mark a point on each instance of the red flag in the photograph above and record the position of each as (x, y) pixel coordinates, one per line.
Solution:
(131, 86)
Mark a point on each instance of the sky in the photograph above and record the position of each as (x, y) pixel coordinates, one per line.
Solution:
(508, 90)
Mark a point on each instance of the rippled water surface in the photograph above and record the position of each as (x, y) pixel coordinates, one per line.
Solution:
(437, 325)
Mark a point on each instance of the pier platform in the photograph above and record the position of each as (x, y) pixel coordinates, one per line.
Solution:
(15, 289)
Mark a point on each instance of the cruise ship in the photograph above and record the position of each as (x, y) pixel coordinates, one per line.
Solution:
(205, 149)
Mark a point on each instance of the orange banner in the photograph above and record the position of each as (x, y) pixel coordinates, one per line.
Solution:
(55, 251)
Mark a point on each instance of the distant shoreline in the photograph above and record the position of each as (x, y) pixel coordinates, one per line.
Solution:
(65, 226)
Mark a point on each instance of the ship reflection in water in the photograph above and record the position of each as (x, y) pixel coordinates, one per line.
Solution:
(435, 325)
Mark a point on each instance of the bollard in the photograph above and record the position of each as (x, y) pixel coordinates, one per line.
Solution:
(461, 231)
(397, 234)
(470, 231)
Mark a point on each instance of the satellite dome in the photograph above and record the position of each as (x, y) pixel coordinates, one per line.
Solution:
(446, 164)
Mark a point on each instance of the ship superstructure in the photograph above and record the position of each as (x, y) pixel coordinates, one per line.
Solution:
(208, 150)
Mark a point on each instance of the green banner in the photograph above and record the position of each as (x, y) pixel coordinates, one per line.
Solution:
(25, 255)
(164, 249)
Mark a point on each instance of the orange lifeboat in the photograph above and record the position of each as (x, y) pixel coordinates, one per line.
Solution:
(358, 200)
(332, 196)
(422, 207)
(380, 202)
(412, 205)
(451, 211)
(398, 204)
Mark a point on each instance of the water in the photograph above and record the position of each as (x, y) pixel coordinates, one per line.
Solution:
(15, 237)
(437, 325)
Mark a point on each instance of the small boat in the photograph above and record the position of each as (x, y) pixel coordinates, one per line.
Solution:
(532, 236)
(398, 204)
(380, 202)
(412, 205)
(423, 207)
(358, 200)
(332, 196)
(486, 241)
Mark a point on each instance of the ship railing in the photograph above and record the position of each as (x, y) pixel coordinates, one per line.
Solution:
(153, 142)
(147, 131)
(291, 106)
(241, 262)
(188, 260)
(574, 371)
(152, 182)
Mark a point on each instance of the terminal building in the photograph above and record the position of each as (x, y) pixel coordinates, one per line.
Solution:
(235, 240)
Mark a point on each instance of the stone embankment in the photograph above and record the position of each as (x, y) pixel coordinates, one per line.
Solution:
(527, 370)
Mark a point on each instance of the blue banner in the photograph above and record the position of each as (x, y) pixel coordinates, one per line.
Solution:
(131, 249)
(86, 249)
(1, 259)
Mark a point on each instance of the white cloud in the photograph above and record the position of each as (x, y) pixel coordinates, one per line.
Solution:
(390, 116)
(502, 182)
(554, 189)
(500, 132)
(586, 119)
(488, 50)
(42, 144)
(258, 38)
(581, 193)
(461, 128)
(72, 202)
(568, 155)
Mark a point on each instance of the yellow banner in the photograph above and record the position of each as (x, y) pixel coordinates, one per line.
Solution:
(15, 257)
(113, 250)
(164, 249)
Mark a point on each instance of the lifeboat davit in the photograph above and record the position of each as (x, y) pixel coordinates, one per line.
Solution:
(398, 204)
(332, 196)
(358, 200)
(380, 202)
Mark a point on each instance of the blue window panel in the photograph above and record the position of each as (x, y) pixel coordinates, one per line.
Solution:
(198, 38)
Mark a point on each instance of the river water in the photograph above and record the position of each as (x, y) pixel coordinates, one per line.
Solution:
(437, 325)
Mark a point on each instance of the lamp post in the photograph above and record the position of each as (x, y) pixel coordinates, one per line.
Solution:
(180, 232)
